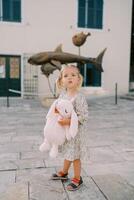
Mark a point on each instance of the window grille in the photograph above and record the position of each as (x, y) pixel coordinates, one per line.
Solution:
(30, 87)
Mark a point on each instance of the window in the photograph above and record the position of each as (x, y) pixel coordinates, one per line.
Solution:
(92, 77)
(90, 13)
(10, 10)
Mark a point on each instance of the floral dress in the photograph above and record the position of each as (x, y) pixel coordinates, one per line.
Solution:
(75, 148)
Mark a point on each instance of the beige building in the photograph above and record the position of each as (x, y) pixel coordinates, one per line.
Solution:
(31, 26)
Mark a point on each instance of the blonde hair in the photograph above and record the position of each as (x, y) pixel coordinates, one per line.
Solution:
(59, 84)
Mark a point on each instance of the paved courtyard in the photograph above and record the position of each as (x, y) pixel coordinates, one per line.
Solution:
(25, 172)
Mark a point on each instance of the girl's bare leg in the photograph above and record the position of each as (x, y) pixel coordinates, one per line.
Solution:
(67, 164)
(77, 171)
(77, 168)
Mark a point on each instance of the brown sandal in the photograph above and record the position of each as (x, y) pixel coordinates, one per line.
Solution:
(59, 176)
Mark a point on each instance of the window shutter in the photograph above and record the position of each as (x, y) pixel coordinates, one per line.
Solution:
(90, 17)
(16, 10)
(99, 13)
(81, 13)
(99, 19)
(90, 21)
(95, 12)
(6, 10)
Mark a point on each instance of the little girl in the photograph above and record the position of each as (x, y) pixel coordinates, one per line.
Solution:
(71, 80)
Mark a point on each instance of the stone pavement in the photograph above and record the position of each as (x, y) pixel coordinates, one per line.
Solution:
(25, 172)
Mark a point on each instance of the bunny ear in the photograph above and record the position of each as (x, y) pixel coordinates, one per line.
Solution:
(73, 129)
(51, 110)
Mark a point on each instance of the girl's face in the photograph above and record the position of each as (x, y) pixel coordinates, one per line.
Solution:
(70, 78)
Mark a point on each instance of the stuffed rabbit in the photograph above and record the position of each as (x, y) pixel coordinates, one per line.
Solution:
(54, 133)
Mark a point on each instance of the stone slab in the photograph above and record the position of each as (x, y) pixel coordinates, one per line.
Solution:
(87, 191)
(5, 138)
(14, 147)
(40, 185)
(6, 178)
(9, 156)
(54, 162)
(44, 188)
(16, 192)
(114, 187)
(7, 166)
(30, 175)
(33, 154)
(129, 156)
(26, 138)
(129, 177)
(104, 155)
(29, 164)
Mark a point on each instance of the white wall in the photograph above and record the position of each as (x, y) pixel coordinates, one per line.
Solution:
(47, 23)
(118, 35)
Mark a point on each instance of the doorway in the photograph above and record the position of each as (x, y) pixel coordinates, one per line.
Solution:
(10, 75)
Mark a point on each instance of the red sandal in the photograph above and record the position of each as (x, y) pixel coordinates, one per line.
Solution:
(75, 184)
(59, 176)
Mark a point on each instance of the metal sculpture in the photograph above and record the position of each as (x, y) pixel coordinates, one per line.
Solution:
(58, 57)
(80, 38)
(53, 60)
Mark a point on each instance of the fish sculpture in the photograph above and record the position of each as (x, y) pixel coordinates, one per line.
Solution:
(80, 38)
(58, 57)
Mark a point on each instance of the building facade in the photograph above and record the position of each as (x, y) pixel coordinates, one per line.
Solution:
(30, 26)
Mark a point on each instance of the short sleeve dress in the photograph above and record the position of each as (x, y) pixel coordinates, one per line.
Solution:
(75, 148)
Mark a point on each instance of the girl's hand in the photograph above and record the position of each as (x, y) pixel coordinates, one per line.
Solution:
(56, 111)
(64, 121)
